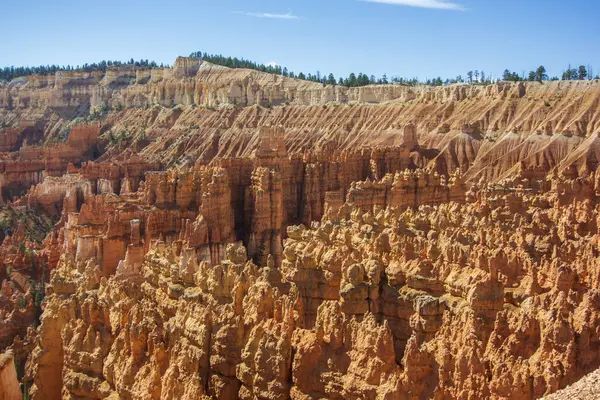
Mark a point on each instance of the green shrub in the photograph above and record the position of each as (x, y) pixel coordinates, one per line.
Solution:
(99, 113)
(22, 303)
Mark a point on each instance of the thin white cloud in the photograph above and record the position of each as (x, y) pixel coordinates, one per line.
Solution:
(440, 4)
(272, 64)
(270, 15)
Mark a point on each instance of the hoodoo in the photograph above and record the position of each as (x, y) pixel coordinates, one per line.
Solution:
(209, 232)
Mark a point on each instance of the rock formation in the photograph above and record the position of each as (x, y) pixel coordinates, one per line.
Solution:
(203, 232)
(9, 385)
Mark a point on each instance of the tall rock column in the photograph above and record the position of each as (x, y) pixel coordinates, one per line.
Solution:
(264, 204)
(216, 208)
(272, 153)
(9, 385)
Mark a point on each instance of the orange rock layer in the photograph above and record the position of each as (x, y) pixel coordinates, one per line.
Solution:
(231, 234)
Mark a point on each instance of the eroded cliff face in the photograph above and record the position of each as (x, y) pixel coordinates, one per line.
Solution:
(493, 296)
(217, 233)
(198, 110)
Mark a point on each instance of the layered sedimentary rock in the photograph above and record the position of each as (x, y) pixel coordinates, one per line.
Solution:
(373, 301)
(204, 231)
(29, 165)
(196, 111)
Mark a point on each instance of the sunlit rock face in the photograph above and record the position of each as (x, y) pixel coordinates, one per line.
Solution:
(202, 232)
(9, 385)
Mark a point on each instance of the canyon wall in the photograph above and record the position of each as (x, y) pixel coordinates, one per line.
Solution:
(200, 111)
(208, 232)
(481, 297)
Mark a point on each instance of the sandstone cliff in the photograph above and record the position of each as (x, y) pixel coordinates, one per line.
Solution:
(377, 300)
(197, 110)
(208, 232)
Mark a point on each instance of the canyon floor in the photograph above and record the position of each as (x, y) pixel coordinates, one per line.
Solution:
(199, 232)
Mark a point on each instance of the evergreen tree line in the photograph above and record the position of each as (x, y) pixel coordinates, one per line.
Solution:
(581, 73)
(9, 73)
(361, 79)
(353, 80)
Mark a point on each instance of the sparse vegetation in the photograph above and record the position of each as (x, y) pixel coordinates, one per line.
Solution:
(99, 113)
(539, 75)
(95, 114)
(36, 226)
(62, 135)
(119, 138)
(4, 226)
(260, 252)
(39, 292)
(25, 391)
(22, 303)
(511, 76)
(580, 73)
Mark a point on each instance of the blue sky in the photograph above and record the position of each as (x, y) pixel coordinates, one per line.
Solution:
(423, 38)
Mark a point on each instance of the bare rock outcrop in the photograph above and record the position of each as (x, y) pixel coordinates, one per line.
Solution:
(9, 385)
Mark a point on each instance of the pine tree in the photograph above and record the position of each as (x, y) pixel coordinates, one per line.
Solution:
(352, 80)
(540, 74)
(582, 73)
(331, 79)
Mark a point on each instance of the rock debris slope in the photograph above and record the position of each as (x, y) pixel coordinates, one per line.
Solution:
(588, 388)
(200, 232)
